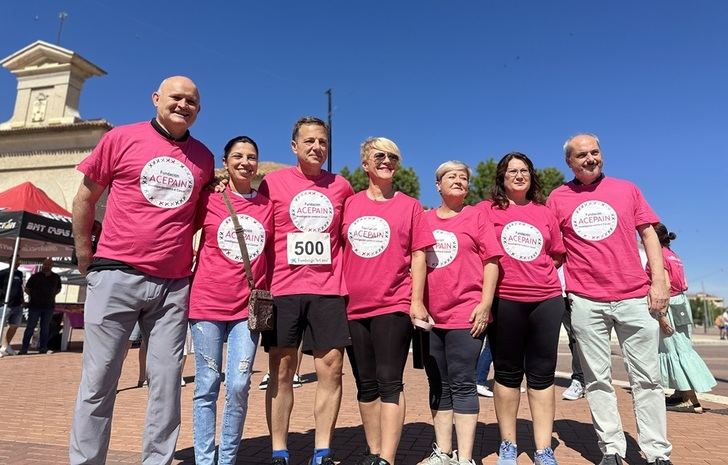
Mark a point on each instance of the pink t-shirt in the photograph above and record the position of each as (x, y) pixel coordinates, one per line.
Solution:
(307, 205)
(529, 237)
(379, 238)
(598, 222)
(220, 290)
(154, 184)
(455, 265)
(675, 271)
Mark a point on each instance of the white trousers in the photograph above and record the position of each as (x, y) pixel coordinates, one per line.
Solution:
(638, 335)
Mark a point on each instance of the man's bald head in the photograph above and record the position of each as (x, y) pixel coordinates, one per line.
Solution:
(178, 102)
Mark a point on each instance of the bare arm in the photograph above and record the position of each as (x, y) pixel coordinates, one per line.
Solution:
(658, 296)
(419, 273)
(84, 212)
(481, 313)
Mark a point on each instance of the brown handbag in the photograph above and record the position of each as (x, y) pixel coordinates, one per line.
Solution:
(260, 304)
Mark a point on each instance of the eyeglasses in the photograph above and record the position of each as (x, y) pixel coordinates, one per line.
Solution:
(523, 172)
(379, 157)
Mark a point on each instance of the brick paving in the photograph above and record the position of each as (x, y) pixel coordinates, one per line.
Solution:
(39, 391)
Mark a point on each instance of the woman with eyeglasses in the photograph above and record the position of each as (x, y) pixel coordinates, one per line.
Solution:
(528, 306)
(219, 302)
(461, 279)
(384, 268)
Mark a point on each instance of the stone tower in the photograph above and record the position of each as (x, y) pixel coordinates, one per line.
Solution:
(46, 138)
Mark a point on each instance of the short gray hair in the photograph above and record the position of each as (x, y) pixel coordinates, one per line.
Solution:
(567, 148)
(452, 165)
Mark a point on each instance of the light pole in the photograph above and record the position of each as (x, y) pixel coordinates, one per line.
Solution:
(331, 145)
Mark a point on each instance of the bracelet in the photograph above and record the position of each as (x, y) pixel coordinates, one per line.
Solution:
(660, 314)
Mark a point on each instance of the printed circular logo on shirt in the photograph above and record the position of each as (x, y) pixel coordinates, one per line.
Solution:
(369, 236)
(522, 241)
(227, 240)
(444, 251)
(311, 211)
(166, 182)
(594, 220)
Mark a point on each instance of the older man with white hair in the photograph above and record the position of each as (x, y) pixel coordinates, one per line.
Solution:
(608, 289)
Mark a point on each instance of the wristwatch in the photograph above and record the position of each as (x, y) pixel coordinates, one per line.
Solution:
(660, 314)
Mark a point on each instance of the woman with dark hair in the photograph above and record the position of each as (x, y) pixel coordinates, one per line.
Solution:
(219, 302)
(528, 306)
(680, 366)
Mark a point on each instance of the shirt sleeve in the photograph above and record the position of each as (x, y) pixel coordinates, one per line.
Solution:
(98, 166)
(422, 236)
(489, 247)
(643, 213)
(557, 241)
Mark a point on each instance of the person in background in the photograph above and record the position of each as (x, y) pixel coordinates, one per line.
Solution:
(42, 288)
(385, 235)
(219, 310)
(14, 310)
(461, 279)
(528, 307)
(681, 367)
(482, 369)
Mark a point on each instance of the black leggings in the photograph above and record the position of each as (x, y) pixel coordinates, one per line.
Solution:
(450, 368)
(378, 354)
(524, 336)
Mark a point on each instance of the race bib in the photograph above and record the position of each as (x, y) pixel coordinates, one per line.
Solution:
(444, 251)
(368, 236)
(311, 211)
(594, 220)
(522, 241)
(309, 248)
(253, 232)
(166, 182)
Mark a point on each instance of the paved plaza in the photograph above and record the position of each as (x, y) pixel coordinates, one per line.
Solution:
(38, 395)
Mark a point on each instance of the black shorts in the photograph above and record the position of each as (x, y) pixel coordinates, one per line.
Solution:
(320, 320)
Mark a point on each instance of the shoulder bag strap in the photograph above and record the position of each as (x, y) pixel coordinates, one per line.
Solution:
(240, 234)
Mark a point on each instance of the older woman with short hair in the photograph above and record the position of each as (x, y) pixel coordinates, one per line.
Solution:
(385, 235)
(461, 280)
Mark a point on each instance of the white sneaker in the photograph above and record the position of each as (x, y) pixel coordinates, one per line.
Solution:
(484, 391)
(574, 392)
(9, 351)
(297, 383)
(182, 382)
(264, 382)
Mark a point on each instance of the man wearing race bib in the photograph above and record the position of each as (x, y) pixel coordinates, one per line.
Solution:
(607, 288)
(307, 285)
(140, 272)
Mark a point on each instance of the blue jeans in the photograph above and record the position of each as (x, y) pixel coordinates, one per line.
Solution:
(208, 337)
(483, 368)
(35, 314)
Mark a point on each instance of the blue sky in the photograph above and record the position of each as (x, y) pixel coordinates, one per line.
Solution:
(445, 80)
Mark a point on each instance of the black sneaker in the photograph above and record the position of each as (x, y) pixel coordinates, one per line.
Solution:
(325, 460)
(380, 461)
(368, 458)
(279, 461)
(611, 459)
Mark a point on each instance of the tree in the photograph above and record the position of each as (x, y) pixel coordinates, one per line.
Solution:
(699, 306)
(484, 177)
(405, 180)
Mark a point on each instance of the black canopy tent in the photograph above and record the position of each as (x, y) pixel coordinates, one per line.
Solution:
(32, 226)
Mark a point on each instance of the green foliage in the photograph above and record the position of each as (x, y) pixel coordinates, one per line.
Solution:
(405, 180)
(698, 306)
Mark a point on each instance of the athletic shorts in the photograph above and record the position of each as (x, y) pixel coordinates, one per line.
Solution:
(13, 315)
(319, 320)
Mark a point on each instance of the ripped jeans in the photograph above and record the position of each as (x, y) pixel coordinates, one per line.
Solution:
(208, 337)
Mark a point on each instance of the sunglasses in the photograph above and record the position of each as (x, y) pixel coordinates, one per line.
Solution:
(379, 157)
